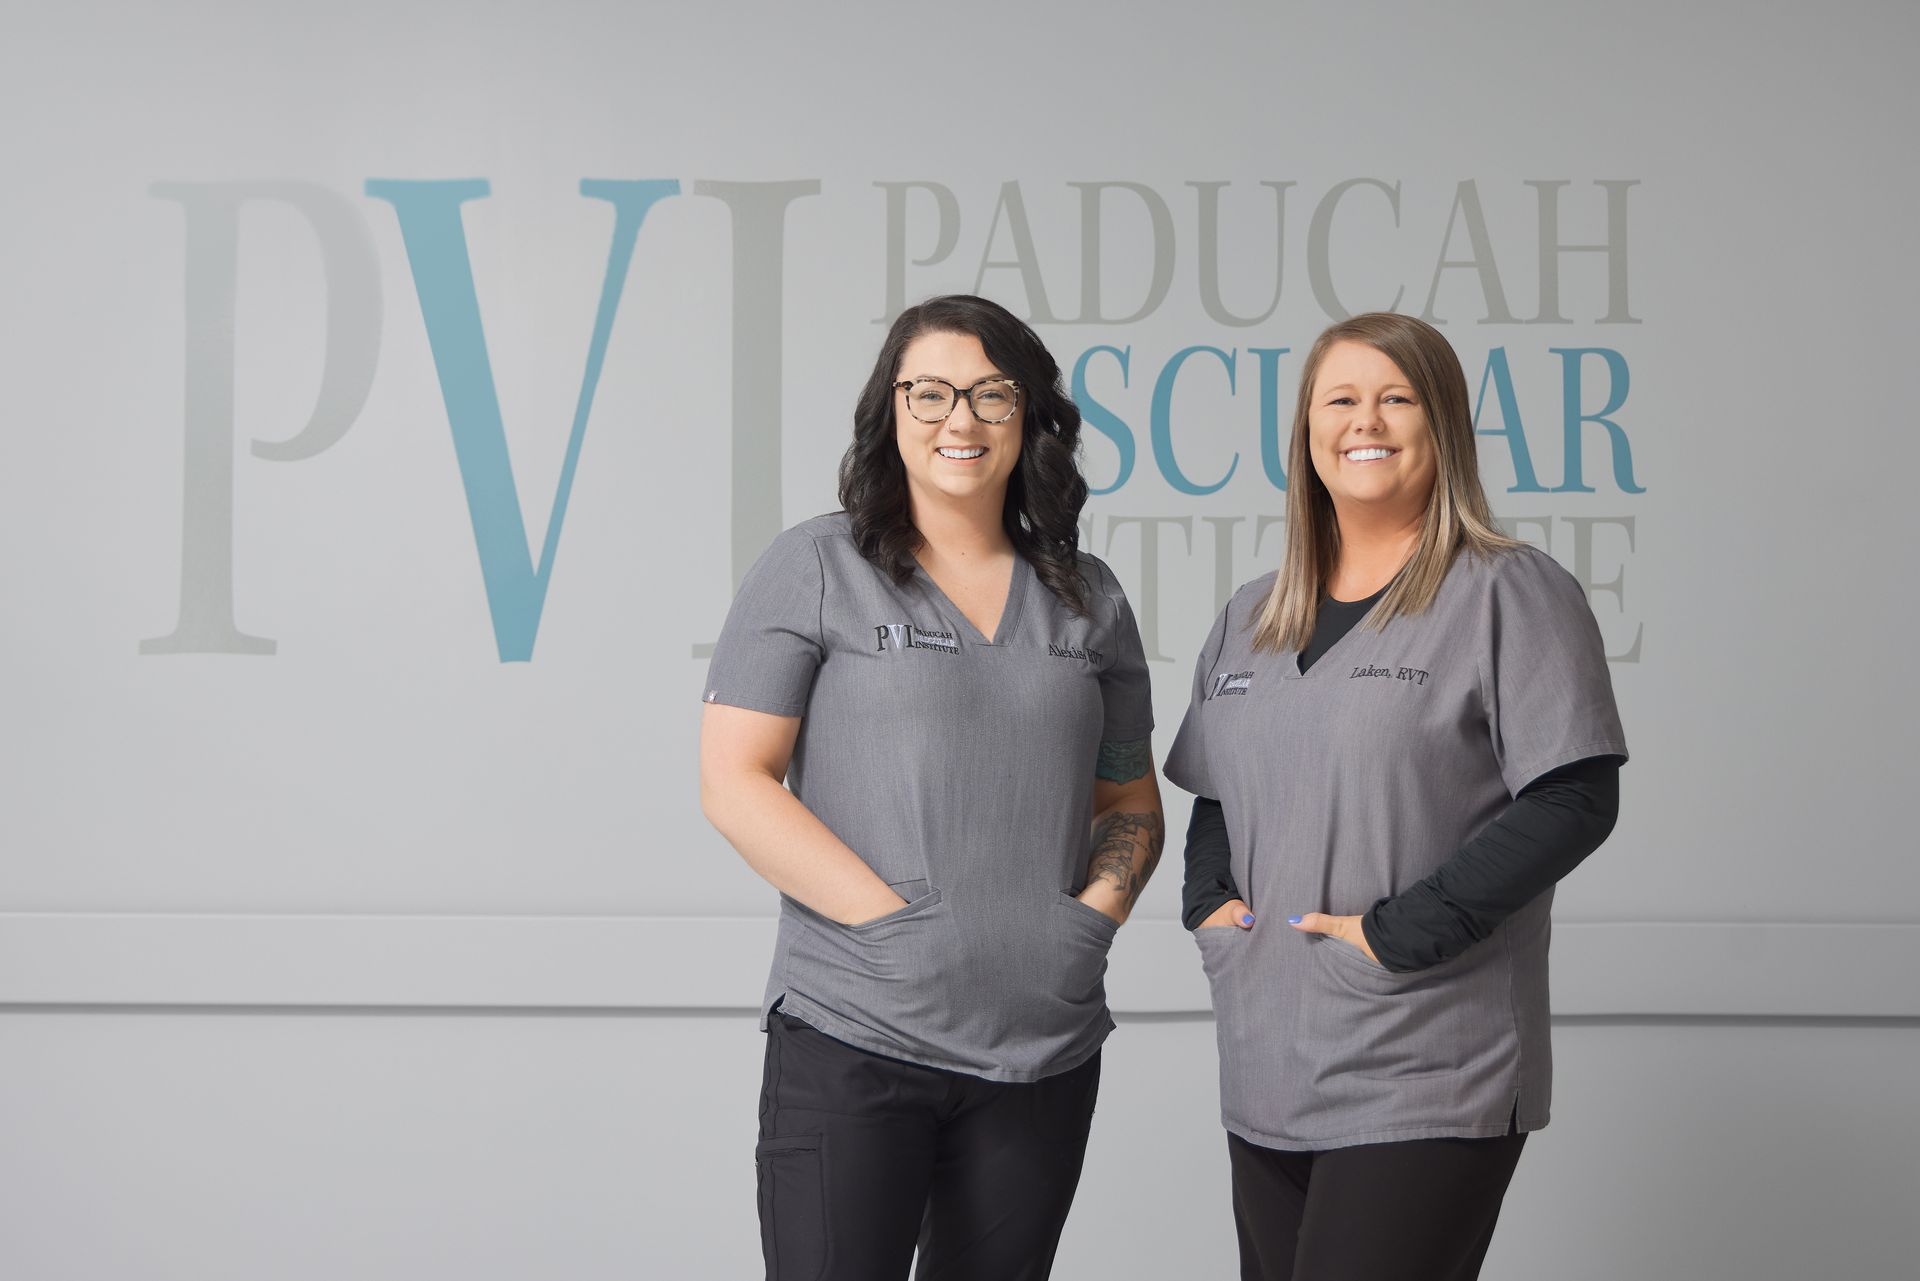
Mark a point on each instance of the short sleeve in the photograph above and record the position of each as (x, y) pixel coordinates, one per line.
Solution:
(1544, 676)
(771, 645)
(1125, 690)
(1186, 765)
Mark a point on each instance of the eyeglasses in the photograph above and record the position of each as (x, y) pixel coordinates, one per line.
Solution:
(991, 400)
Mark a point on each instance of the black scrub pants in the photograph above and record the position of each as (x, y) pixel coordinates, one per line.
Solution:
(1422, 1210)
(862, 1159)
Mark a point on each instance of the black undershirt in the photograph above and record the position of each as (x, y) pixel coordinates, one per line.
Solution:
(1555, 822)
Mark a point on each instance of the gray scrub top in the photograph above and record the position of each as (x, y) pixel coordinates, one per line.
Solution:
(1352, 781)
(961, 769)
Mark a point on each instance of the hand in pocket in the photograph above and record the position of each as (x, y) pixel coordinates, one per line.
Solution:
(1345, 928)
(1233, 913)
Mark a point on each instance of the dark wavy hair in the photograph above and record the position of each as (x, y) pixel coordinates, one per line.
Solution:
(1046, 491)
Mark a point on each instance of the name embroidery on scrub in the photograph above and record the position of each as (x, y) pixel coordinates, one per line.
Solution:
(903, 636)
(1229, 683)
(1369, 672)
(1074, 651)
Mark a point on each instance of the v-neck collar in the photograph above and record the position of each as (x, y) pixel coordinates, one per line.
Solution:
(1292, 670)
(1009, 610)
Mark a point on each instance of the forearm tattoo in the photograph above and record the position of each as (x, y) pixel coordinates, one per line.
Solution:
(1126, 849)
(1124, 762)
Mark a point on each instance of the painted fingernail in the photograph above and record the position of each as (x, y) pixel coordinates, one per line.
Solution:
(1247, 919)
(1293, 920)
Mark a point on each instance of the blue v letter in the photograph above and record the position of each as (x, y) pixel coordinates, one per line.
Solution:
(436, 242)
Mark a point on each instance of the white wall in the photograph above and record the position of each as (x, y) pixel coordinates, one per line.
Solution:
(194, 1146)
(368, 956)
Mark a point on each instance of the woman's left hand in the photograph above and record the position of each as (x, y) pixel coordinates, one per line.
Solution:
(1345, 928)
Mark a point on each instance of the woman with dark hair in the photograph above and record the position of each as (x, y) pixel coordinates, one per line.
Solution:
(958, 698)
(1399, 742)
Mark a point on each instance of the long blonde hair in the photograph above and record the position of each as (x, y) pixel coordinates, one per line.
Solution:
(1457, 512)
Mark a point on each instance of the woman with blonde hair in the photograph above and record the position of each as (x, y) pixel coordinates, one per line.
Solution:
(1399, 742)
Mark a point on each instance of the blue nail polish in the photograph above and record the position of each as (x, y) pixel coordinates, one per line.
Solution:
(1247, 919)
(1293, 920)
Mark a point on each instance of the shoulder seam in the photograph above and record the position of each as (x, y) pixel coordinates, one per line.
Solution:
(817, 534)
(1104, 576)
(1244, 588)
(1537, 560)
(820, 610)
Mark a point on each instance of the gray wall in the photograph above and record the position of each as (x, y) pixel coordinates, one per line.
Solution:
(356, 916)
(310, 1146)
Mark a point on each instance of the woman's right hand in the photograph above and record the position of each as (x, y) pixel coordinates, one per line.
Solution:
(1233, 912)
(885, 903)
(744, 756)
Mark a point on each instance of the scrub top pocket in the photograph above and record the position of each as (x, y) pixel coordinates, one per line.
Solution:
(919, 897)
(1240, 1023)
(1092, 915)
(886, 968)
(1084, 935)
(1437, 1030)
(1341, 949)
(1215, 943)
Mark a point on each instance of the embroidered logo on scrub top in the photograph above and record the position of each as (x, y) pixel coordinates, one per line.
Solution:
(1229, 683)
(1074, 651)
(1370, 672)
(907, 636)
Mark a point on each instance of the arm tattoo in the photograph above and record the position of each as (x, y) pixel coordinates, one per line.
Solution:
(1118, 843)
(1124, 762)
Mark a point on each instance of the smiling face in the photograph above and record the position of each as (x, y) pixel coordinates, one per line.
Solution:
(961, 461)
(1368, 436)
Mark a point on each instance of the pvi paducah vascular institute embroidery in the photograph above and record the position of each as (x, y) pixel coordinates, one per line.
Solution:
(1229, 683)
(902, 636)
